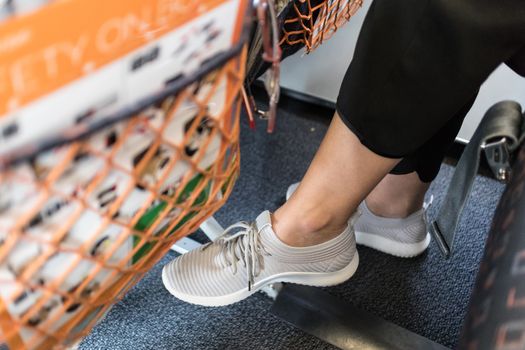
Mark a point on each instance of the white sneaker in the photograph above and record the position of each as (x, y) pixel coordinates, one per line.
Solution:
(404, 237)
(237, 265)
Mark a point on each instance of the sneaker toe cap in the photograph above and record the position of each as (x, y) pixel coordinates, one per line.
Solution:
(201, 273)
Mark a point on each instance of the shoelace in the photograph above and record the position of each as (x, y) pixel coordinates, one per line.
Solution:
(244, 245)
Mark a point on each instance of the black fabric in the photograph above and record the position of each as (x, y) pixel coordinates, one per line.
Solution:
(427, 159)
(419, 62)
(517, 62)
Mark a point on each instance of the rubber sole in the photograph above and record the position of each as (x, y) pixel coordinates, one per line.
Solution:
(388, 246)
(315, 279)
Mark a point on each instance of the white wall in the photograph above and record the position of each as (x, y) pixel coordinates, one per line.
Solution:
(321, 72)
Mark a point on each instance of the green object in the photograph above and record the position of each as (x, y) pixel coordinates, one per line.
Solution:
(153, 213)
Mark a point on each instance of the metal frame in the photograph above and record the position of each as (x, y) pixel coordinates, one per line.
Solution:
(338, 323)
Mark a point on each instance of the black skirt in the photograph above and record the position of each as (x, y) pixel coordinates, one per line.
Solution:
(418, 67)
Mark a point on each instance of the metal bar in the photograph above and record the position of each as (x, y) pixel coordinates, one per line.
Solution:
(184, 245)
(212, 228)
(342, 325)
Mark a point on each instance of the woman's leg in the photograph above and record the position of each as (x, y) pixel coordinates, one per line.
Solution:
(341, 175)
(308, 240)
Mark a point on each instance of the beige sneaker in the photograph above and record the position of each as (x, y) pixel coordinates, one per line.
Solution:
(403, 237)
(239, 264)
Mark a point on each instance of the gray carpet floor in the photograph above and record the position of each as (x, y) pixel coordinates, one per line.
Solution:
(427, 295)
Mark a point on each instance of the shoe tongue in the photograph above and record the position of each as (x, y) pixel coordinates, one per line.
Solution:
(268, 237)
(263, 220)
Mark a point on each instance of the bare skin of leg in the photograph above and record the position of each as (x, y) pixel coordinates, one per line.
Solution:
(341, 175)
(397, 196)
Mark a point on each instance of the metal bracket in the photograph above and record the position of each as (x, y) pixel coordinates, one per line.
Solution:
(498, 158)
(440, 239)
(322, 315)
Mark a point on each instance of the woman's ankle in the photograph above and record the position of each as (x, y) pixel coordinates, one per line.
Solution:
(307, 227)
(393, 209)
(397, 196)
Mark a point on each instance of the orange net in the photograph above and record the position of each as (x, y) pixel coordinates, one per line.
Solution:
(314, 21)
(81, 223)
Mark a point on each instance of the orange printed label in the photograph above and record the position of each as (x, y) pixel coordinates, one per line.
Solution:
(68, 39)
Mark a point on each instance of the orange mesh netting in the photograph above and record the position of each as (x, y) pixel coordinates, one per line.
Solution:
(80, 224)
(314, 21)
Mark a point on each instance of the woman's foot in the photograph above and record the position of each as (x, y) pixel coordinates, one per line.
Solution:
(239, 264)
(403, 237)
